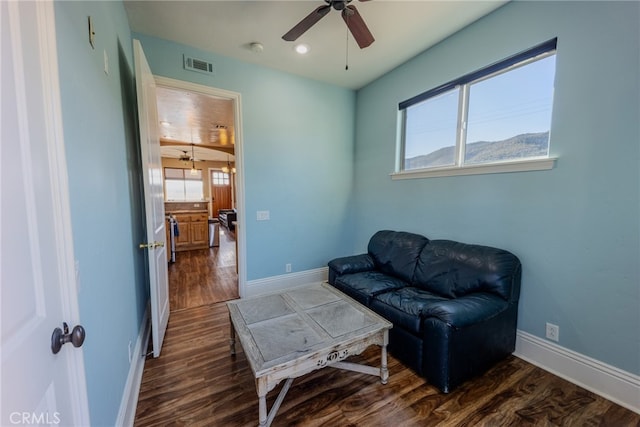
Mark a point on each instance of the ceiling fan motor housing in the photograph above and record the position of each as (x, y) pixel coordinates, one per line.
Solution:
(338, 4)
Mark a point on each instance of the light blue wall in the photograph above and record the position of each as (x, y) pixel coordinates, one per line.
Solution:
(298, 157)
(576, 227)
(298, 136)
(104, 179)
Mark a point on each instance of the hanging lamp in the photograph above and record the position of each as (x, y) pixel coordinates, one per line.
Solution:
(228, 168)
(194, 171)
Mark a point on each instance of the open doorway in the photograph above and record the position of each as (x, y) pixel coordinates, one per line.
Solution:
(200, 140)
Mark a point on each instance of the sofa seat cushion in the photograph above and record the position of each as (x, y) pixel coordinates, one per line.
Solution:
(409, 307)
(365, 285)
(405, 307)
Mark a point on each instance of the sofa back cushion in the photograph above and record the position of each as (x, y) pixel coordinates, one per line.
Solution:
(396, 252)
(454, 269)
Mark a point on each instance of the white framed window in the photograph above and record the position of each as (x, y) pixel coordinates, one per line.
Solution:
(181, 185)
(496, 119)
(220, 178)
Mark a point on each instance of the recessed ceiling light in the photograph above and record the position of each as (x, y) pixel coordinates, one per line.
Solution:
(302, 48)
(256, 47)
(165, 123)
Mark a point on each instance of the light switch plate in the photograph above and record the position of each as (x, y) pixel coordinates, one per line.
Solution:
(262, 215)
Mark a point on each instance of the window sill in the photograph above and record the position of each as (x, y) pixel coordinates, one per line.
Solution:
(506, 167)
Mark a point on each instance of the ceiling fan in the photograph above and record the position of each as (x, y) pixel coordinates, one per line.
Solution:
(185, 157)
(351, 17)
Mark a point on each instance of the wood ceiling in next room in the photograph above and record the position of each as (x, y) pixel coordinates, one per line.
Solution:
(205, 121)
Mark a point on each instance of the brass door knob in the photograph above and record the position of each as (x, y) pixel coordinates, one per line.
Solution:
(151, 245)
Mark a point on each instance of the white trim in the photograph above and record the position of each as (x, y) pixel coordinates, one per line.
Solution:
(504, 167)
(129, 402)
(605, 380)
(286, 281)
(235, 97)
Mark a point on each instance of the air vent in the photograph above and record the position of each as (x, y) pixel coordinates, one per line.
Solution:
(198, 65)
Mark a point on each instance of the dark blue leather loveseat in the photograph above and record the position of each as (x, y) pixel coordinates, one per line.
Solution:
(453, 306)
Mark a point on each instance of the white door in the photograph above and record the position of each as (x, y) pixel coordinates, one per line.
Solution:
(39, 291)
(153, 197)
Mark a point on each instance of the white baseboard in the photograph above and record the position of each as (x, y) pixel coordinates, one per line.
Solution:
(605, 380)
(286, 281)
(129, 402)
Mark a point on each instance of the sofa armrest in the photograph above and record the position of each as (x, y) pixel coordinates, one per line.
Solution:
(467, 310)
(349, 265)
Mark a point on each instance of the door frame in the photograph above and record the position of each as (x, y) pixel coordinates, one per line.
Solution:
(235, 98)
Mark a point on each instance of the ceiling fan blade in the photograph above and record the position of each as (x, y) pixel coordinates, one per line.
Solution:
(356, 25)
(306, 23)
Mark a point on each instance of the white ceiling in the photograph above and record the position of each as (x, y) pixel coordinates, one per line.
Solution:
(401, 29)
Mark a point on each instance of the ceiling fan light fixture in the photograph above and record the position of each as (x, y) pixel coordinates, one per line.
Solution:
(302, 48)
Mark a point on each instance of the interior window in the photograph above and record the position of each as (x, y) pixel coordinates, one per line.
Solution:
(181, 185)
(220, 178)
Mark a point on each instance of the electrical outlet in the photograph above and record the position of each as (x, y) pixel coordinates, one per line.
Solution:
(553, 332)
(262, 215)
(287, 268)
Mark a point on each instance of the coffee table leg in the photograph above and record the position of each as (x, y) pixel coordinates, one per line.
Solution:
(232, 340)
(261, 386)
(384, 372)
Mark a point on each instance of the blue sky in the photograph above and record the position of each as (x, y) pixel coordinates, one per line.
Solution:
(516, 102)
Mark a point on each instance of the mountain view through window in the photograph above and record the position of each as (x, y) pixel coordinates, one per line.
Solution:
(502, 117)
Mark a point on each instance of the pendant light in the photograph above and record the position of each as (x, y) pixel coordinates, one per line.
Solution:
(228, 168)
(194, 171)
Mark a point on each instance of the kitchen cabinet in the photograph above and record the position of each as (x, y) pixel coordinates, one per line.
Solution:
(199, 229)
(194, 231)
(183, 240)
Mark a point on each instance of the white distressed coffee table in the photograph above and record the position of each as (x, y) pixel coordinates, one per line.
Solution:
(290, 334)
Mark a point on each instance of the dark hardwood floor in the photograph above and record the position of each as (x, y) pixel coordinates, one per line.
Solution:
(196, 382)
(204, 276)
